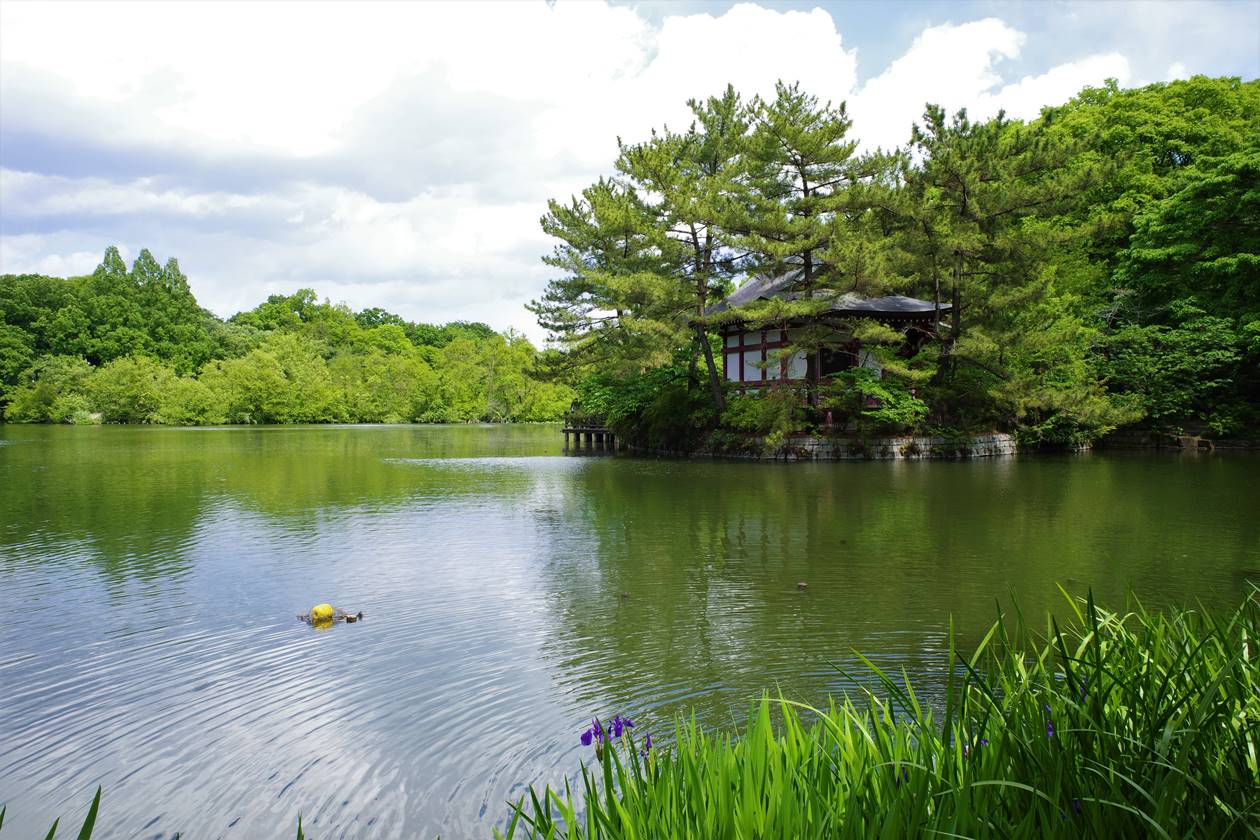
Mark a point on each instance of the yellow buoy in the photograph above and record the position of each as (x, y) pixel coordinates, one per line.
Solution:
(322, 612)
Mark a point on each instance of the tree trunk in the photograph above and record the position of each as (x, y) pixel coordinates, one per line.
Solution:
(955, 322)
(936, 298)
(704, 264)
(715, 381)
(956, 311)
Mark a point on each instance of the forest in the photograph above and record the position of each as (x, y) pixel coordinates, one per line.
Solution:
(122, 346)
(1101, 264)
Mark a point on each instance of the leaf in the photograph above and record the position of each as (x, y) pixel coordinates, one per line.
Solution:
(85, 833)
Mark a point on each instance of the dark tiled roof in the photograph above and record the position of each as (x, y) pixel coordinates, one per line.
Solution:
(781, 287)
(761, 287)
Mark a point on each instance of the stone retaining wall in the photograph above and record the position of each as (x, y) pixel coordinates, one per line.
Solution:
(1160, 440)
(810, 448)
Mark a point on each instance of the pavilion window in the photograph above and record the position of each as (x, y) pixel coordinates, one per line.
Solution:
(797, 366)
(833, 360)
(752, 370)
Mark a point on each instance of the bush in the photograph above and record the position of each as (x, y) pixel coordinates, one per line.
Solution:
(677, 418)
(130, 389)
(872, 402)
(1184, 371)
(775, 413)
(54, 388)
(780, 409)
(1122, 725)
(188, 402)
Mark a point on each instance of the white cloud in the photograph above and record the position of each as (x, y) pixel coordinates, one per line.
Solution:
(1025, 99)
(399, 155)
(33, 254)
(957, 66)
(53, 195)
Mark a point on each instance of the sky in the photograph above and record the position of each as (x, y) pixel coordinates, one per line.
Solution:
(400, 155)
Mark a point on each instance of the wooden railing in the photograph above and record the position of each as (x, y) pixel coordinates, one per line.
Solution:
(597, 436)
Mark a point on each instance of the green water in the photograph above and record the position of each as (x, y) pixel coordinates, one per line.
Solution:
(150, 580)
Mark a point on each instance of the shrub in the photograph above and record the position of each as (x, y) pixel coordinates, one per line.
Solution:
(874, 403)
(189, 402)
(778, 412)
(130, 389)
(54, 389)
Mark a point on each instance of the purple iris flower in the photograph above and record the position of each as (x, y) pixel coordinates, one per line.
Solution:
(1077, 806)
(984, 742)
(594, 733)
(1049, 728)
(647, 744)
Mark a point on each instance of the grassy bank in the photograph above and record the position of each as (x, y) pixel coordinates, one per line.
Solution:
(1136, 724)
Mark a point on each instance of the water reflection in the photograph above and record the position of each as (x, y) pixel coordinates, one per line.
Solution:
(509, 593)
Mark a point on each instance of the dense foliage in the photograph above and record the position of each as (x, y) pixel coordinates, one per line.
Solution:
(123, 346)
(1120, 725)
(1101, 264)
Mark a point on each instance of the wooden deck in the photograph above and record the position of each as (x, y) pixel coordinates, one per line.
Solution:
(596, 438)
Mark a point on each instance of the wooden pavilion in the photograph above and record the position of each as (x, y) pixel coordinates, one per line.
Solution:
(756, 354)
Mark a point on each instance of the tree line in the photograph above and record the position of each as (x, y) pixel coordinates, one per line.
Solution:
(1101, 264)
(133, 346)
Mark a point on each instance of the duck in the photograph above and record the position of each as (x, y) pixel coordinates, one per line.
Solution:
(323, 614)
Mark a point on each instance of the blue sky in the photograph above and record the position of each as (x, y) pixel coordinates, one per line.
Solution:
(1215, 39)
(400, 155)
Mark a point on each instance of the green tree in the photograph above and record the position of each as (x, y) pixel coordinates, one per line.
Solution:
(53, 390)
(692, 176)
(1203, 239)
(189, 402)
(1148, 138)
(380, 387)
(17, 351)
(799, 164)
(990, 202)
(130, 389)
(1184, 371)
(615, 304)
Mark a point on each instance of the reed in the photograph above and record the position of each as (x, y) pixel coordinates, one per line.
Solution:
(1133, 724)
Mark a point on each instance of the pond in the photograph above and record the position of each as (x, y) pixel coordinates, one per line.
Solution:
(151, 578)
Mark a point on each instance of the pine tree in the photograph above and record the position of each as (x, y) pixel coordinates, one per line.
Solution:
(615, 303)
(798, 167)
(692, 174)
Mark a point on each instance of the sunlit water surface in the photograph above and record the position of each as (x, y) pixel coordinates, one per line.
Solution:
(150, 580)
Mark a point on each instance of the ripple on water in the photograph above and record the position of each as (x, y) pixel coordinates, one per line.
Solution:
(507, 600)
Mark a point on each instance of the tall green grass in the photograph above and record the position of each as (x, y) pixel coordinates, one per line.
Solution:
(1135, 724)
